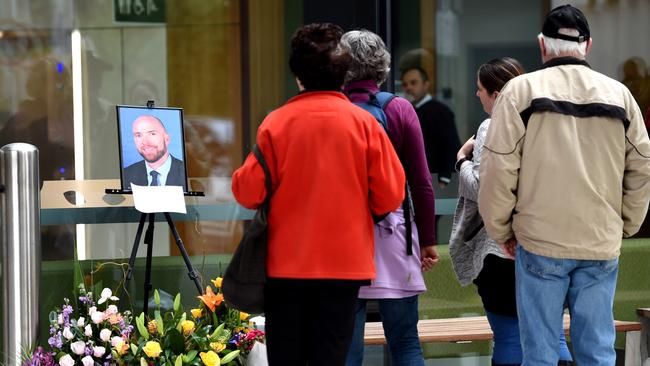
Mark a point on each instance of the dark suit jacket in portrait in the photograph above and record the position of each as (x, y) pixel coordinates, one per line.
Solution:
(136, 173)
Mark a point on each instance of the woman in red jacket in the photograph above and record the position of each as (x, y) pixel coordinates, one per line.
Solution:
(332, 168)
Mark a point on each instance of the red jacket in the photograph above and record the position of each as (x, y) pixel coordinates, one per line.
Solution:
(331, 165)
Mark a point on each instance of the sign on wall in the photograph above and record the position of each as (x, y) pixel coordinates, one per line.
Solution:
(140, 11)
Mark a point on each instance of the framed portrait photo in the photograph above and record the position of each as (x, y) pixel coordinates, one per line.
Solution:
(151, 147)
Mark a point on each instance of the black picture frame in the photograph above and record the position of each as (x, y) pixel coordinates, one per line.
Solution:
(132, 162)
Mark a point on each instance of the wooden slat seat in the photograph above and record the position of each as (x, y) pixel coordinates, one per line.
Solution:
(475, 328)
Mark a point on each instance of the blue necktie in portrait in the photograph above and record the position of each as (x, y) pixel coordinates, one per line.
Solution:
(154, 178)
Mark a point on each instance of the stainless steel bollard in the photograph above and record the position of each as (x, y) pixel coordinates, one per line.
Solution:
(20, 228)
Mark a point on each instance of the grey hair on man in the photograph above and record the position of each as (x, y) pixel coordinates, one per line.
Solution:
(371, 58)
(556, 47)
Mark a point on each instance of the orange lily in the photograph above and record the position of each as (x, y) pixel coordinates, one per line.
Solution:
(210, 299)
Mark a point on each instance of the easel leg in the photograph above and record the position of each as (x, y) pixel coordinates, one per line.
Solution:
(134, 252)
(194, 276)
(148, 240)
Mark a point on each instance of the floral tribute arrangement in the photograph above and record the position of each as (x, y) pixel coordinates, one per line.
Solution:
(96, 333)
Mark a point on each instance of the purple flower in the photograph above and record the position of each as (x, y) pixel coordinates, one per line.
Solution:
(55, 341)
(40, 358)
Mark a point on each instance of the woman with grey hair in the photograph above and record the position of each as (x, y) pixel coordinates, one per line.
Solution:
(399, 278)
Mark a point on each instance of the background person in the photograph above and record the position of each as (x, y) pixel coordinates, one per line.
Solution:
(332, 167)
(441, 140)
(474, 256)
(565, 174)
(399, 276)
(158, 167)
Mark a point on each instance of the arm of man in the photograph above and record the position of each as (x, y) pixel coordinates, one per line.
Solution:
(636, 179)
(499, 169)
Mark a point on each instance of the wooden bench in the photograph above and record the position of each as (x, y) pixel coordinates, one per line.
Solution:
(477, 328)
(644, 337)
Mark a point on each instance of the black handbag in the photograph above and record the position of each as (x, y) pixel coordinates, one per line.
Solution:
(243, 282)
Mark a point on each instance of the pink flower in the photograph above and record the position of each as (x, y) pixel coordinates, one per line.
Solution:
(97, 317)
(98, 351)
(78, 347)
(81, 321)
(105, 335)
(67, 333)
(116, 340)
(66, 360)
(88, 331)
(88, 361)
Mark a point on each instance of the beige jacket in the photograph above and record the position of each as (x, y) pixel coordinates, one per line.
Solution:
(566, 163)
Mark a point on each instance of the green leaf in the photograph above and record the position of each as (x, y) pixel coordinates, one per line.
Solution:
(174, 341)
(190, 356)
(143, 362)
(156, 298)
(159, 323)
(217, 331)
(215, 319)
(177, 303)
(229, 357)
(179, 360)
(139, 321)
(134, 349)
(179, 326)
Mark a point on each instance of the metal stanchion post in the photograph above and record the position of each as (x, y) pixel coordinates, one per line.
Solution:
(21, 249)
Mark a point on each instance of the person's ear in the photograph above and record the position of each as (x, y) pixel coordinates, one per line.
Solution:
(495, 94)
(542, 47)
(589, 44)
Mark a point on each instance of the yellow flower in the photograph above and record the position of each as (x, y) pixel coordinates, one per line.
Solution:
(243, 315)
(188, 327)
(210, 358)
(121, 347)
(197, 313)
(217, 282)
(152, 349)
(152, 327)
(217, 346)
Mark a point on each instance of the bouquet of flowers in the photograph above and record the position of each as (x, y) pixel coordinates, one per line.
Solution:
(211, 334)
(93, 333)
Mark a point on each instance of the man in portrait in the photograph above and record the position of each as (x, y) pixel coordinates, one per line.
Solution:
(158, 167)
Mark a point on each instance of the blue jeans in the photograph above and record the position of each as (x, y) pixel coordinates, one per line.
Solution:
(543, 285)
(400, 319)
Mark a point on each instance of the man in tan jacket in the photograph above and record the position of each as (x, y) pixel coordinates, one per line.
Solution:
(565, 175)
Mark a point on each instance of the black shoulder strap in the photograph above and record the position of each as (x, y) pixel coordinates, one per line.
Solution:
(267, 173)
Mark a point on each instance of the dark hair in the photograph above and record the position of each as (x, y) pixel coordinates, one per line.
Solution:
(495, 73)
(317, 59)
(423, 74)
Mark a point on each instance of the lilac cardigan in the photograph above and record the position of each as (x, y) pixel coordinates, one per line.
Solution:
(399, 275)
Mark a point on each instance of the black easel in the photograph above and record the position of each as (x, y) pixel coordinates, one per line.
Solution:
(148, 240)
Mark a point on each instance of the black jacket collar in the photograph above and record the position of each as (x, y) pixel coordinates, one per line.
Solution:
(558, 61)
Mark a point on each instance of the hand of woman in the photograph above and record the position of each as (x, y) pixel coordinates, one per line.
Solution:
(466, 149)
(429, 257)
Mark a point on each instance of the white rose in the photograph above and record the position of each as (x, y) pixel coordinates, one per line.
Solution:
(78, 347)
(88, 331)
(92, 309)
(112, 309)
(97, 317)
(88, 361)
(98, 351)
(67, 333)
(105, 335)
(59, 319)
(66, 360)
(116, 340)
(81, 322)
